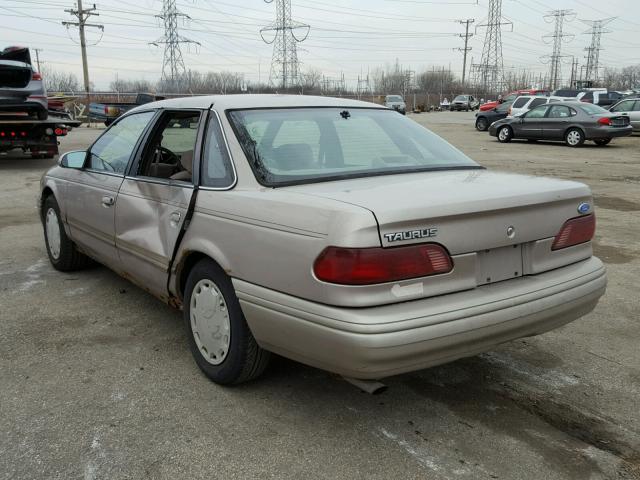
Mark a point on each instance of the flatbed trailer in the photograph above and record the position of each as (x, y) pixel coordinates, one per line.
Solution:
(37, 137)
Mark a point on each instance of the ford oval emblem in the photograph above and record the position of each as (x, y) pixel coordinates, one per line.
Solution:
(511, 232)
(584, 207)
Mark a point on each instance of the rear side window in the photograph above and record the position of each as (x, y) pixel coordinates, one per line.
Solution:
(217, 171)
(537, 101)
(520, 102)
(559, 111)
(636, 107)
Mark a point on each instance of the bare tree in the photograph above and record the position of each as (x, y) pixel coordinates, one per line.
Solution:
(57, 81)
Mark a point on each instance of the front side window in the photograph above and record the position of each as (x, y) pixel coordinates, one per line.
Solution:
(112, 151)
(625, 106)
(306, 145)
(537, 101)
(520, 102)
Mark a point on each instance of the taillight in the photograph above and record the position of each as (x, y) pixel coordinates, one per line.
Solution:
(575, 231)
(367, 266)
(604, 121)
(58, 131)
(36, 76)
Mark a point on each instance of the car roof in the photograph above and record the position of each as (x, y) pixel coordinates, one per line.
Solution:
(254, 100)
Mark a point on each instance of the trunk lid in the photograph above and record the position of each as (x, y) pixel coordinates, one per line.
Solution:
(15, 67)
(465, 210)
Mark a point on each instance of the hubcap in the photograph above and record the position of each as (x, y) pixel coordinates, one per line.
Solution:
(481, 124)
(53, 233)
(504, 134)
(573, 137)
(210, 321)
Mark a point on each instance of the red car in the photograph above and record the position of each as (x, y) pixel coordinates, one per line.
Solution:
(511, 97)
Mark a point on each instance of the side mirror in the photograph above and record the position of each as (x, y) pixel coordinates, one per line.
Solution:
(73, 159)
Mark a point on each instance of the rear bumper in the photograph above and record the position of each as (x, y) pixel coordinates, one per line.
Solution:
(30, 104)
(377, 342)
(608, 132)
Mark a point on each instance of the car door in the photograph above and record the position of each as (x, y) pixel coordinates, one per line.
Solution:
(155, 196)
(626, 108)
(531, 123)
(92, 192)
(556, 121)
(634, 116)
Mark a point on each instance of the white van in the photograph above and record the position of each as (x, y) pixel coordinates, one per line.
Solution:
(524, 103)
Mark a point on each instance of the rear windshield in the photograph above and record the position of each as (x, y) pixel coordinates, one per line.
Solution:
(305, 145)
(590, 109)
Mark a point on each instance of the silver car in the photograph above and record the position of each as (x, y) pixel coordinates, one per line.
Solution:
(395, 102)
(21, 86)
(330, 231)
(629, 107)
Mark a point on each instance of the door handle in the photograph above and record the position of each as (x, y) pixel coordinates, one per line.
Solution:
(108, 201)
(175, 217)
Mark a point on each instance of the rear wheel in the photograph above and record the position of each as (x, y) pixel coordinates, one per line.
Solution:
(62, 252)
(601, 142)
(505, 134)
(574, 137)
(219, 337)
(482, 124)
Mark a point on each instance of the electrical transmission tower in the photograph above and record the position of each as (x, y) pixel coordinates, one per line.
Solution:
(489, 72)
(593, 50)
(285, 66)
(173, 69)
(466, 35)
(557, 37)
(82, 14)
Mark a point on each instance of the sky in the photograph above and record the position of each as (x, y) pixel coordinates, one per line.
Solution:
(347, 37)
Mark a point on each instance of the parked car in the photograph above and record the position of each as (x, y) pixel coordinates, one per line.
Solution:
(600, 98)
(512, 96)
(464, 102)
(486, 118)
(629, 108)
(567, 92)
(21, 86)
(395, 102)
(108, 112)
(524, 103)
(571, 122)
(330, 231)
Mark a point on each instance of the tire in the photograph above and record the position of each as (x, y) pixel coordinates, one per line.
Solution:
(532, 140)
(504, 134)
(574, 137)
(62, 252)
(601, 142)
(238, 357)
(482, 124)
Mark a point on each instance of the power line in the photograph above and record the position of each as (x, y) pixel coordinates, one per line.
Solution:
(558, 17)
(173, 68)
(82, 16)
(285, 66)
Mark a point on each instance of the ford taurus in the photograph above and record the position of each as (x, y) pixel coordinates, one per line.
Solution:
(333, 232)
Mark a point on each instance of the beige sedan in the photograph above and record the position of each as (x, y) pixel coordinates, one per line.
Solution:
(333, 232)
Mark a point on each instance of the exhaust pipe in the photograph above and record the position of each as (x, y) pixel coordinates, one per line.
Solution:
(372, 387)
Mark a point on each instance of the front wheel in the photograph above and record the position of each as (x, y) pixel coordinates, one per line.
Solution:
(505, 134)
(601, 142)
(574, 137)
(62, 252)
(482, 124)
(219, 337)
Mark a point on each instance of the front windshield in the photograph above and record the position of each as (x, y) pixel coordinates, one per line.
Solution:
(394, 98)
(460, 98)
(590, 109)
(303, 145)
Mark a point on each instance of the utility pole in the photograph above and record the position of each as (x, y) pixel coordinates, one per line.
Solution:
(466, 35)
(83, 15)
(38, 50)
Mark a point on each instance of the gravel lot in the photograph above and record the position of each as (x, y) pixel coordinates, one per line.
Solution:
(97, 380)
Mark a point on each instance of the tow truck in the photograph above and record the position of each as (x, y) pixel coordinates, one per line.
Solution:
(39, 138)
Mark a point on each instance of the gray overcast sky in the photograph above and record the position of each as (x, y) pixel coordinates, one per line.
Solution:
(347, 36)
